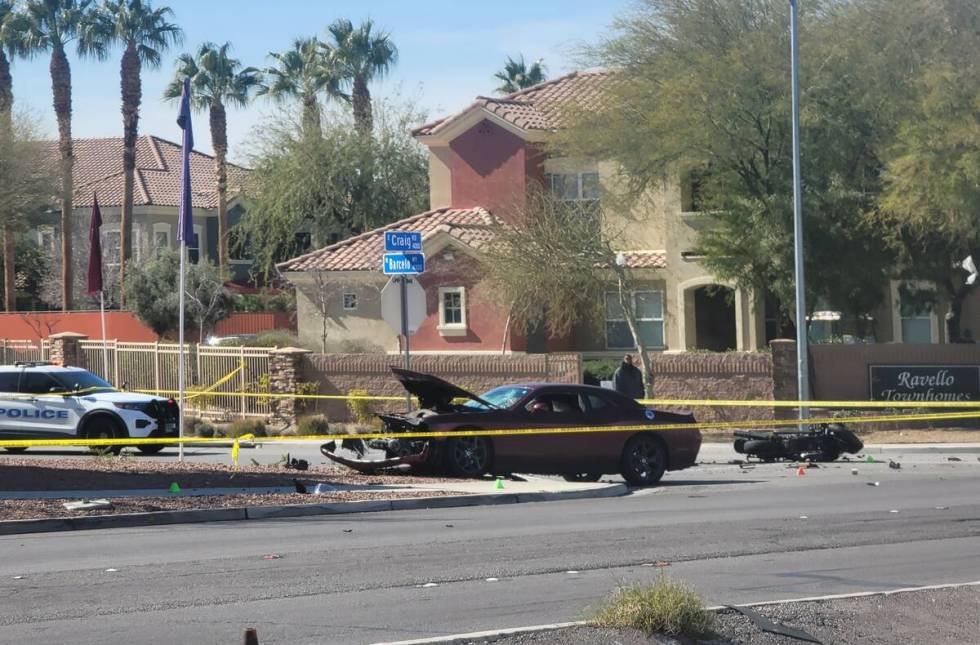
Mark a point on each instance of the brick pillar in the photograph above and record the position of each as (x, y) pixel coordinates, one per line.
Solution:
(66, 349)
(284, 372)
(784, 384)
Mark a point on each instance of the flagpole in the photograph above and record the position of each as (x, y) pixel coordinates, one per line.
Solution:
(105, 348)
(180, 341)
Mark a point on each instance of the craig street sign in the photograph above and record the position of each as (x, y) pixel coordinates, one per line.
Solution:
(924, 382)
(403, 241)
(405, 263)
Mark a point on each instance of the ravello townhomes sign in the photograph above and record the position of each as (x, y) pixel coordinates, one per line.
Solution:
(924, 382)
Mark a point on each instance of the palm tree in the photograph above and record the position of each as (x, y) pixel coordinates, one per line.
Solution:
(302, 72)
(516, 75)
(50, 26)
(7, 45)
(145, 33)
(217, 80)
(360, 56)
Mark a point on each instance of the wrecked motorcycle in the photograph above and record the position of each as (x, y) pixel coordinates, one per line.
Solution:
(825, 442)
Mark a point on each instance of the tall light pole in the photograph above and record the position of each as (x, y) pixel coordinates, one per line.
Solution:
(802, 370)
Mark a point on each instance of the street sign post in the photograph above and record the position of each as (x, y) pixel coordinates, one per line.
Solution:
(403, 258)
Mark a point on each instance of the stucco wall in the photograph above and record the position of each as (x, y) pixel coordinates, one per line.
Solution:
(488, 166)
(362, 329)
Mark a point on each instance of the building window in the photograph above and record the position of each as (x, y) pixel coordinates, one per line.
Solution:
(648, 307)
(452, 310)
(45, 238)
(581, 186)
(693, 198)
(161, 237)
(916, 324)
(194, 246)
(350, 302)
(110, 247)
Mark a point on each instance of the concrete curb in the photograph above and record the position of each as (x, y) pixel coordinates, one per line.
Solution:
(491, 635)
(128, 520)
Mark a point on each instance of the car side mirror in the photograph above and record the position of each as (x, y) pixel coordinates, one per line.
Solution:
(56, 389)
(540, 406)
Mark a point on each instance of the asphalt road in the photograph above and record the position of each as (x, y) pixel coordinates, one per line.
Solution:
(737, 536)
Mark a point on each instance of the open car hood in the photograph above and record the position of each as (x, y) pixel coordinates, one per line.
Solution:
(433, 392)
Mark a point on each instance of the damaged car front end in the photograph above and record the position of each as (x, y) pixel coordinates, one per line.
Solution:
(436, 398)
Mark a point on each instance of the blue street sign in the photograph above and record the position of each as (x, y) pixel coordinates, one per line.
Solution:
(403, 263)
(403, 241)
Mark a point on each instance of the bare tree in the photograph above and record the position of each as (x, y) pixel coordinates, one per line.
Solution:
(574, 263)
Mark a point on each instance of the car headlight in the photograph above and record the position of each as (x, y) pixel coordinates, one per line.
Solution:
(138, 407)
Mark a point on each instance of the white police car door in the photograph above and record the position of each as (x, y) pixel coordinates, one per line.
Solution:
(41, 411)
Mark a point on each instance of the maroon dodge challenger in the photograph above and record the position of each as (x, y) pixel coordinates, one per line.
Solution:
(640, 455)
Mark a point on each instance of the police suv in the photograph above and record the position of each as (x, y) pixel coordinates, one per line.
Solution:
(46, 401)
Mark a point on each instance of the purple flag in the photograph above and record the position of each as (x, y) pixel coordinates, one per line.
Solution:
(185, 225)
(95, 249)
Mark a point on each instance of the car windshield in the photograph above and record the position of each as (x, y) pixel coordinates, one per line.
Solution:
(499, 397)
(80, 380)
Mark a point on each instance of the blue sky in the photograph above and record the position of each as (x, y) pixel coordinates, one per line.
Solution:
(448, 52)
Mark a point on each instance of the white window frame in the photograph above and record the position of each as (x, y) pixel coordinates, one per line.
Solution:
(344, 297)
(452, 329)
(161, 227)
(107, 231)
(43, 231)
(199, 234)
(661, 320)
(897, 317)
(579, 184)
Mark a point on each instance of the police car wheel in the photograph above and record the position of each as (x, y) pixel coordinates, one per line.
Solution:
(150, 449)
(16, 450)
(102, 428)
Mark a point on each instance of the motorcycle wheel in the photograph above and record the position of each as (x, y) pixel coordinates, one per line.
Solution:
(762, 449)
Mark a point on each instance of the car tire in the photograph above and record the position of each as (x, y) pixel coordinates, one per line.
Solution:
(582, 477)
(16, 451)
(644, 460)
(150, 449)
(102, 427)
(468, 456)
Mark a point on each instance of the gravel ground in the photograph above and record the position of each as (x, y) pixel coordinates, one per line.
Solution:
(120, 473)
(938, 617)
(30, 509)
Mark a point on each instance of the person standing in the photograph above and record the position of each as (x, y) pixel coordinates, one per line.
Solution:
(628, 380)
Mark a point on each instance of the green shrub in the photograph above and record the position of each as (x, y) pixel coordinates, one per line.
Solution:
(599, 369)
(243, 427)
(361, 410)
(204, 429)
(312, 425)
(665, 607)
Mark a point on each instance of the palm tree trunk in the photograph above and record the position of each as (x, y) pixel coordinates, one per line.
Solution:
(6, 133)
(361, 101)
(61, 89)
(9, 284)
(219, 141)
(311, 115)
(626, 302)
(131, 95)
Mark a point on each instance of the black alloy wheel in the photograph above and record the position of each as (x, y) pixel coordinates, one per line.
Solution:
(468, 456)
(644, 460)
(150, 449)
(16, 451)
(103, 428)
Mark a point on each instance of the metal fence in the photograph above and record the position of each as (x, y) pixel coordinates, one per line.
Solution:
(154, 366)
(13, 351)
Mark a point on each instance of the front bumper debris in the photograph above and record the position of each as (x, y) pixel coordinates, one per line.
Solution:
(369, 466)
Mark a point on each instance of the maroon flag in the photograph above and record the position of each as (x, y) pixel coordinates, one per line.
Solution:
(95, 249)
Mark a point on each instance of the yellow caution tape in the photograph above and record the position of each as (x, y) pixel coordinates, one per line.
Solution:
(716, 425)
(221, 381)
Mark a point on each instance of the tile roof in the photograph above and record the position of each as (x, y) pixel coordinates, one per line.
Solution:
(538, 107)
(471, 226)
(98, 168)
(646, 259)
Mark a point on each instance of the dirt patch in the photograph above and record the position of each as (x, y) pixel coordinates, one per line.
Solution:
(121, 473)
(32, 509)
